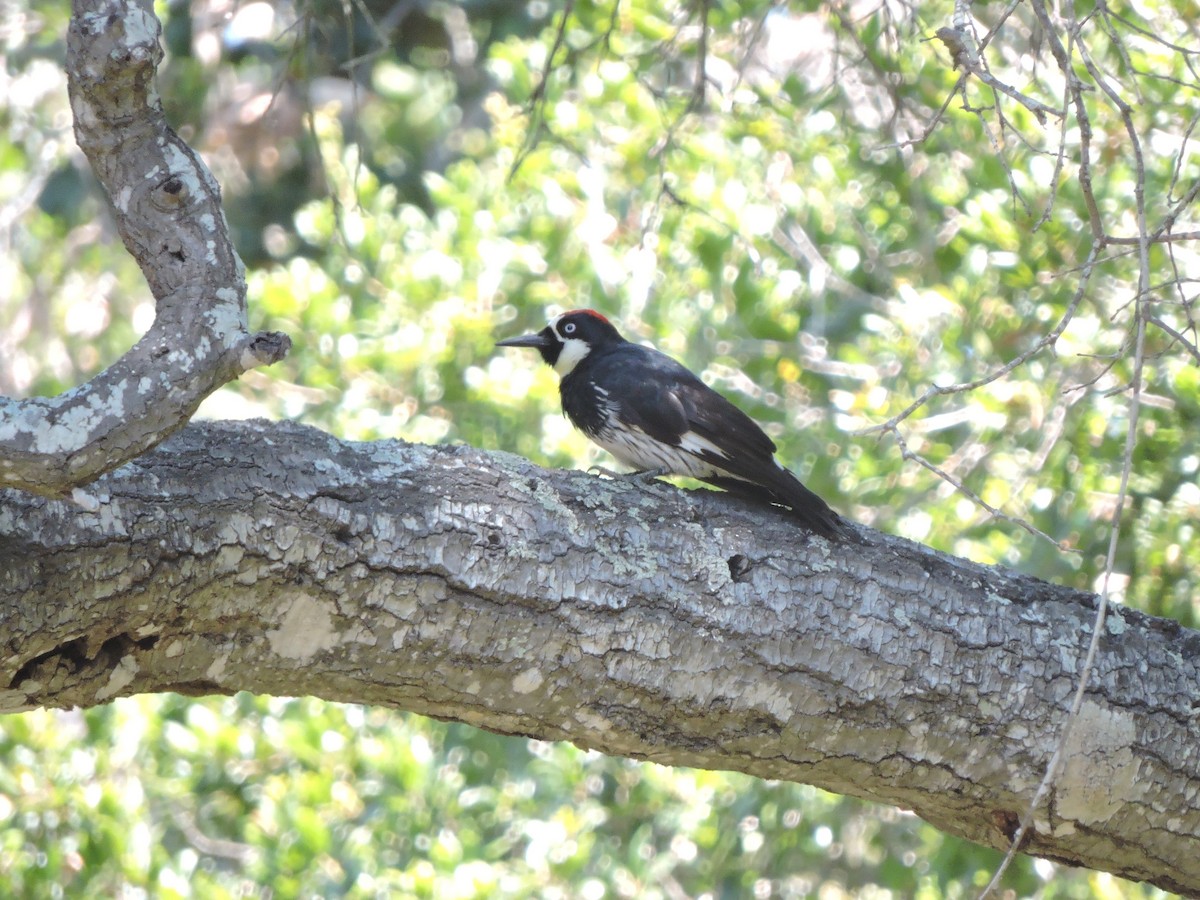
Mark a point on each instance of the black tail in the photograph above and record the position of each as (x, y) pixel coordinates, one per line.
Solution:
(810, 510)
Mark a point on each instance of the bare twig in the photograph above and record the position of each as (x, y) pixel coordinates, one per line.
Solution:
(1187, 345)
(1075, 89)
(908, 454)
(964, 57)
(1131, 433)
(537, 99)
(1157, 238)
(697, 101)
(1151, 35)
(1052, 768)
(1047, 340)
(961, 19)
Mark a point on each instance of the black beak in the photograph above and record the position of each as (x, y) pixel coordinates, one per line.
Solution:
(538, 340)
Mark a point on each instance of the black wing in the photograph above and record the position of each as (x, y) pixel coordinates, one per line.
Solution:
(669, 401)
(756, 473)
(677, 408)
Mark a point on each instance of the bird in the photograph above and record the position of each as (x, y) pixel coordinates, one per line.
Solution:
(657, 417)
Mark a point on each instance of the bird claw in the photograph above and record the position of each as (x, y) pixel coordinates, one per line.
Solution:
(643, 475)
(607, 473)
(648, 475)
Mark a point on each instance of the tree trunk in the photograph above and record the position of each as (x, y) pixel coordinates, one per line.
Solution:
(684, 628)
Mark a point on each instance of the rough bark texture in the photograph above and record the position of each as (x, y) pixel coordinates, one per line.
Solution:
(685, 628)
(167, 207)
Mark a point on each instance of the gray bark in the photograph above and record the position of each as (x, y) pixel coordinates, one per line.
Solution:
(685, 628)
(167, 207)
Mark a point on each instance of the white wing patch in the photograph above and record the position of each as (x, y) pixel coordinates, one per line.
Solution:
(694, 443)
(638, 450)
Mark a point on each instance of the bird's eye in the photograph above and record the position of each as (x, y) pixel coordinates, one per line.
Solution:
(569, 328)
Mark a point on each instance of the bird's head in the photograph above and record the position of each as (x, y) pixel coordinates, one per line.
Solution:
(568, 338)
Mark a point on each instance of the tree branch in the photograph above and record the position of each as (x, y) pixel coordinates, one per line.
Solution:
(167, 208)
(960, 44)
(685, 628)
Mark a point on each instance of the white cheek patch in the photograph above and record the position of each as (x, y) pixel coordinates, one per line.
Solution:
(572, 354)
(694, 443)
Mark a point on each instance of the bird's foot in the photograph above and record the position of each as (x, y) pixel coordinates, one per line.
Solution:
(607, 473)
(644, 475)
(648, 475)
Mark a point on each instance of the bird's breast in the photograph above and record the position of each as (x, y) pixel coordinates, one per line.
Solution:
(587, 405)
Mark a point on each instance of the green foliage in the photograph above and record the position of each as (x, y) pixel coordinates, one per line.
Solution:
(184, 798)
(797, 230)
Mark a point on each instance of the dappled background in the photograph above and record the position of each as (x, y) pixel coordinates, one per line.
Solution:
(820, 224)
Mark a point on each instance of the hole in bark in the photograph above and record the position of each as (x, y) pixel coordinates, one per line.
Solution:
(1008, 823)
(115, 648)
(739, 567)
(71, 653)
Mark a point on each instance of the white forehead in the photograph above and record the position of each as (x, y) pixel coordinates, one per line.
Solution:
(566, 330)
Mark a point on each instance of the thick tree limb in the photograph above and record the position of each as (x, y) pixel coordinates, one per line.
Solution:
(167, 208)
(681, 628)
(684, 628)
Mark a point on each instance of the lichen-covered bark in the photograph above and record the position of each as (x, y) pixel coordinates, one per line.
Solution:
(684, 628)
(167, 207)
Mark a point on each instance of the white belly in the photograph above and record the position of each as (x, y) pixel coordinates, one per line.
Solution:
(636, 449)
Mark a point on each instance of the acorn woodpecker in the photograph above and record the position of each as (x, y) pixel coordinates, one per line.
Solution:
(654, 415)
